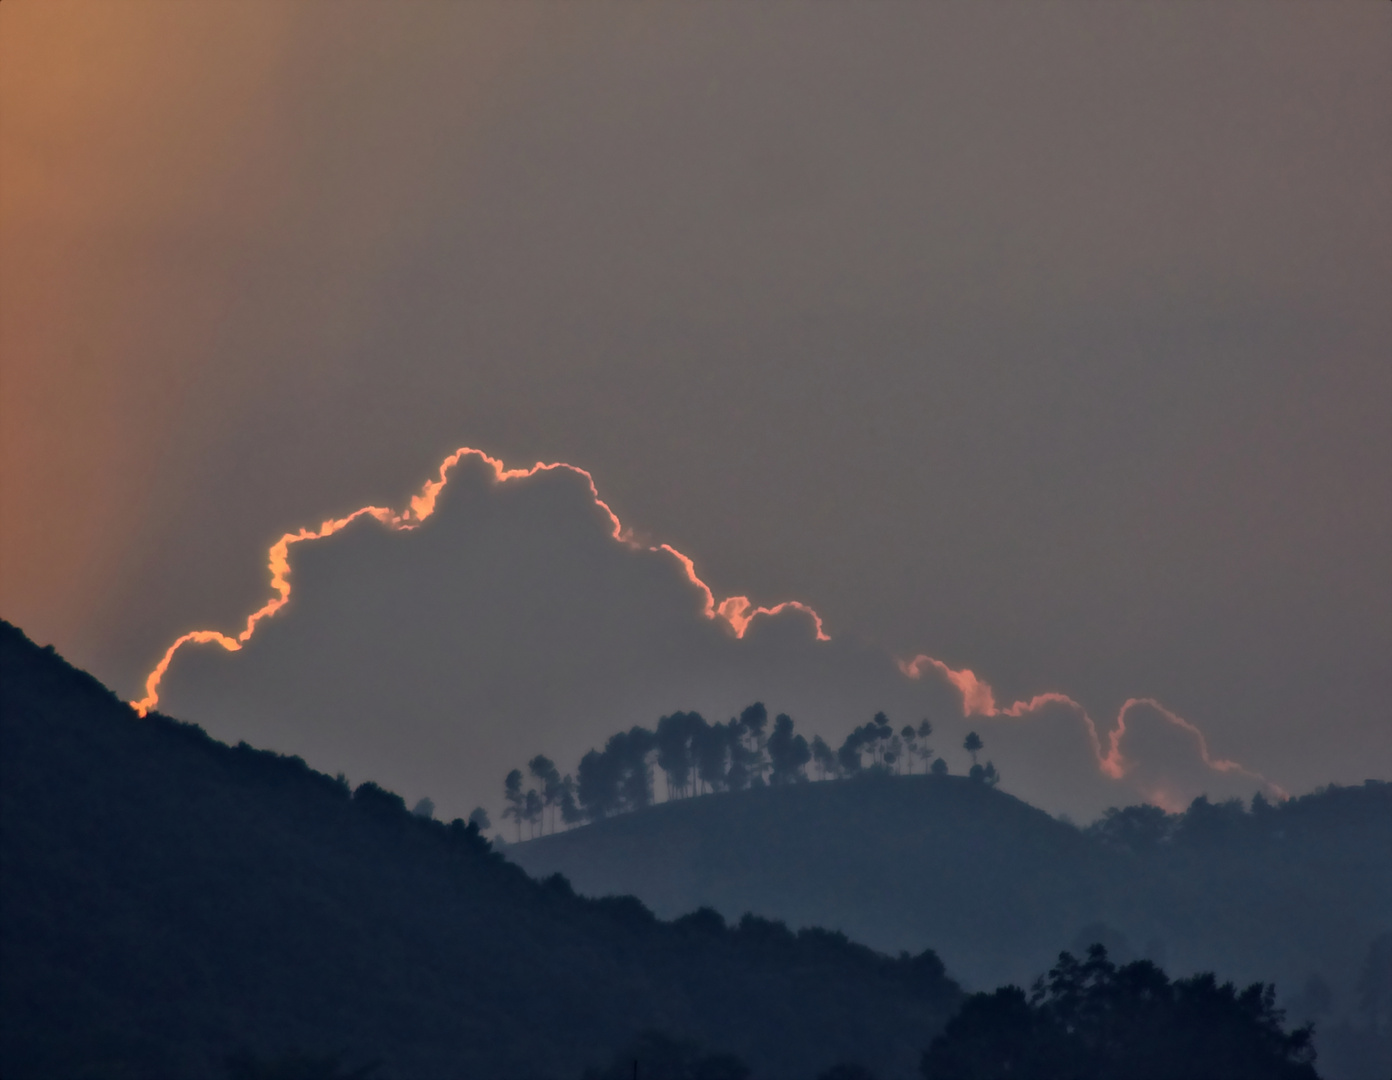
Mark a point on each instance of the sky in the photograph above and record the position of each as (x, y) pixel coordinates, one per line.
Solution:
(1050, 341)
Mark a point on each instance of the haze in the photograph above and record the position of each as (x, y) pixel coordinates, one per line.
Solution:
(1050, 342)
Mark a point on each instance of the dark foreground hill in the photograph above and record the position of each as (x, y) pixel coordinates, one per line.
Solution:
(1299, 893)
(166, 901)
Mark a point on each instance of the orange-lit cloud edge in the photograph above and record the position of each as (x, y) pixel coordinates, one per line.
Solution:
(978, 699)
(737, 612)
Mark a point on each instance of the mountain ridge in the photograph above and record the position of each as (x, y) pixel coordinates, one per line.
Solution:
(167, 901)
(998, 886)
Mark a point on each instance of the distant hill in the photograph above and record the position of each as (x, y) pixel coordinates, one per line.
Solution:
(166, 900)
(998, 887)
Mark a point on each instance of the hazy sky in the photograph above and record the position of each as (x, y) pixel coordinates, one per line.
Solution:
(1051, 340)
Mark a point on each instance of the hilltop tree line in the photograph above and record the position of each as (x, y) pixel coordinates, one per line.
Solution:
(1207, 824)
(697, 757)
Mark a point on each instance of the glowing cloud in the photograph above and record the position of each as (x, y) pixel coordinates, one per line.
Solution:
(978, 699)
(736, 611)
(1155, 753)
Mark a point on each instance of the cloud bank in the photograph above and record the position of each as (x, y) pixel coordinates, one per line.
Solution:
(508, 612)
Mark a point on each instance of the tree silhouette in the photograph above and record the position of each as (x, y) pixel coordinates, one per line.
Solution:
(924, 751)
(893, 753)
(1140, 828)
(712, 746)
(597, 785)
(985, 774)
(532, 811)
(871, 737)
(698, 757)
(635, 774)
(848, 760)
(752, 722)
(516, 802)
(1092, 1019)
(788, 753)
(677, 736)
(478, 817)
(619, 777)
(881, 734)
(424, 808)
(1207, 823)
(547, 775)
(571, 813)
(909, 738)
(745, 745)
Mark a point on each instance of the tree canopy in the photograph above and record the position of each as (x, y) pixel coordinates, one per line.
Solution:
(1091, 1020)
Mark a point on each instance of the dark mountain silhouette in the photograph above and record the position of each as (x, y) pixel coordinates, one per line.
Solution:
(1288, 893)
(171, 906)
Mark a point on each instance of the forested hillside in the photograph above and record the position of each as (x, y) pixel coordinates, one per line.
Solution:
(167, 901)
(173, 907)
(1298, 893)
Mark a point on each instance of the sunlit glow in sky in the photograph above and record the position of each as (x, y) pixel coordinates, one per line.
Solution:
(1047, 341)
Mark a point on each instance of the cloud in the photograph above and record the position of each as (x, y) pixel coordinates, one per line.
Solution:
(1158, 755)
(506, 612)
